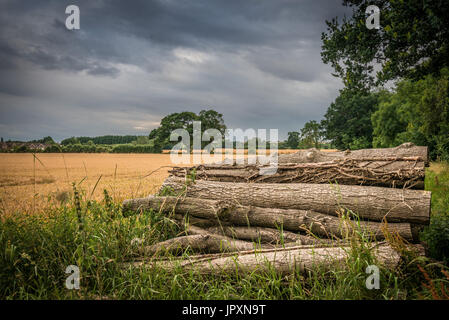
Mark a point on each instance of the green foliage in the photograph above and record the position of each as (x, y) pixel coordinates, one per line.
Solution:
(210, 119)
(45, 140)
(93, 148)
(347, 122)
(21, 149)
(72, 140)
(142, 140)
(131, 148)
(418, 112)
(80, 148)
(436, 235)
(293, 140)
(36, 249)
(437, 181)
(411, 43)
(311, 135)
(182, 120)
(108, 140)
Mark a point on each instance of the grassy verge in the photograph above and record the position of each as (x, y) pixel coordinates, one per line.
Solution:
(98, 237)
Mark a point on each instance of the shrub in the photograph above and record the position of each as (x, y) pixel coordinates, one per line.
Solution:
(437, 237)
(130, 148)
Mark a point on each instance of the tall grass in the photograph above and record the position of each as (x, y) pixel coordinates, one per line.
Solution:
(99, 237)
(437, 234)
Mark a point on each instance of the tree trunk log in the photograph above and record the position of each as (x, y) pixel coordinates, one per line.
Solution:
(269, 235)
(372, 203)
(210, 243)
(208, 209)
(315, 223)
(313, 155)
(405, 173)
(212, 213)
(256, 234)
(188, 220)
(285, 261)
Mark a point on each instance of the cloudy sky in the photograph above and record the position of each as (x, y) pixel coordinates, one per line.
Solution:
(132, 62)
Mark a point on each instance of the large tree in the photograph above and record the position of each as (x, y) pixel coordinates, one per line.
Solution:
(311, 135)
(293, 140)
(347, 122)
(210, 119)
(412, 42)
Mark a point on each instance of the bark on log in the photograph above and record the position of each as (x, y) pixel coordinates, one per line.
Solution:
(188, 220)
(261, 235)
(212, 212)
(313, 155)
(285, 261)
(315, 223)
(405, 172)
(255, 234)
(200, 242)
(372, 203)
(208, 209)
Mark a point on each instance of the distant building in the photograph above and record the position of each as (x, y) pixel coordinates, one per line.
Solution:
(37, 146)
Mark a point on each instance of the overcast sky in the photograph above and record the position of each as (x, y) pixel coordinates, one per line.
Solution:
(133, 62)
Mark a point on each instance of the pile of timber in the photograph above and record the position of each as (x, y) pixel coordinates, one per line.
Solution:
(400, 167)
(305, 213)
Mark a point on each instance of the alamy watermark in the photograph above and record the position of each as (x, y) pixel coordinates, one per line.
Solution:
(256, 140)
(373, 280)
(72, 281)
(373, 20)
(72, 22)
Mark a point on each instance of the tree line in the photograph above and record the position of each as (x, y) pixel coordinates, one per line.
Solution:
(108, 139)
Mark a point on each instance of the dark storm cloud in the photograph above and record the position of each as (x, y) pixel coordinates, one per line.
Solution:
(255, 61)
(226, 24)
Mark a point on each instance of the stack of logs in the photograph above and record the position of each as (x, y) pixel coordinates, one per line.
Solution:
(300, 216)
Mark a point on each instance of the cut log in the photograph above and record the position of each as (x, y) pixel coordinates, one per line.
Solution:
(188, 220)
(313, 155)
(256, 234)
(372, 203)
(406, 173)
(201, 243)
(209, 209)
(261, 235)
(285, 261)
(227, 214)
(315, 223)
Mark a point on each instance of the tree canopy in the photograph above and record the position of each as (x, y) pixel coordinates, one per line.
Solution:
(107, 139)
(293, 140)
(210, 119)
(411, 48)
(418, 112)
(311, 135)
(347, 122)
(411, 42)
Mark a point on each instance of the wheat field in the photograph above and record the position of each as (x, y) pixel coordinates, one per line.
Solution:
(34, 182)
(28, 183)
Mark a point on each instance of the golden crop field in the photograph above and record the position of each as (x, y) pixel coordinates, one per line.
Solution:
(28, 183)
